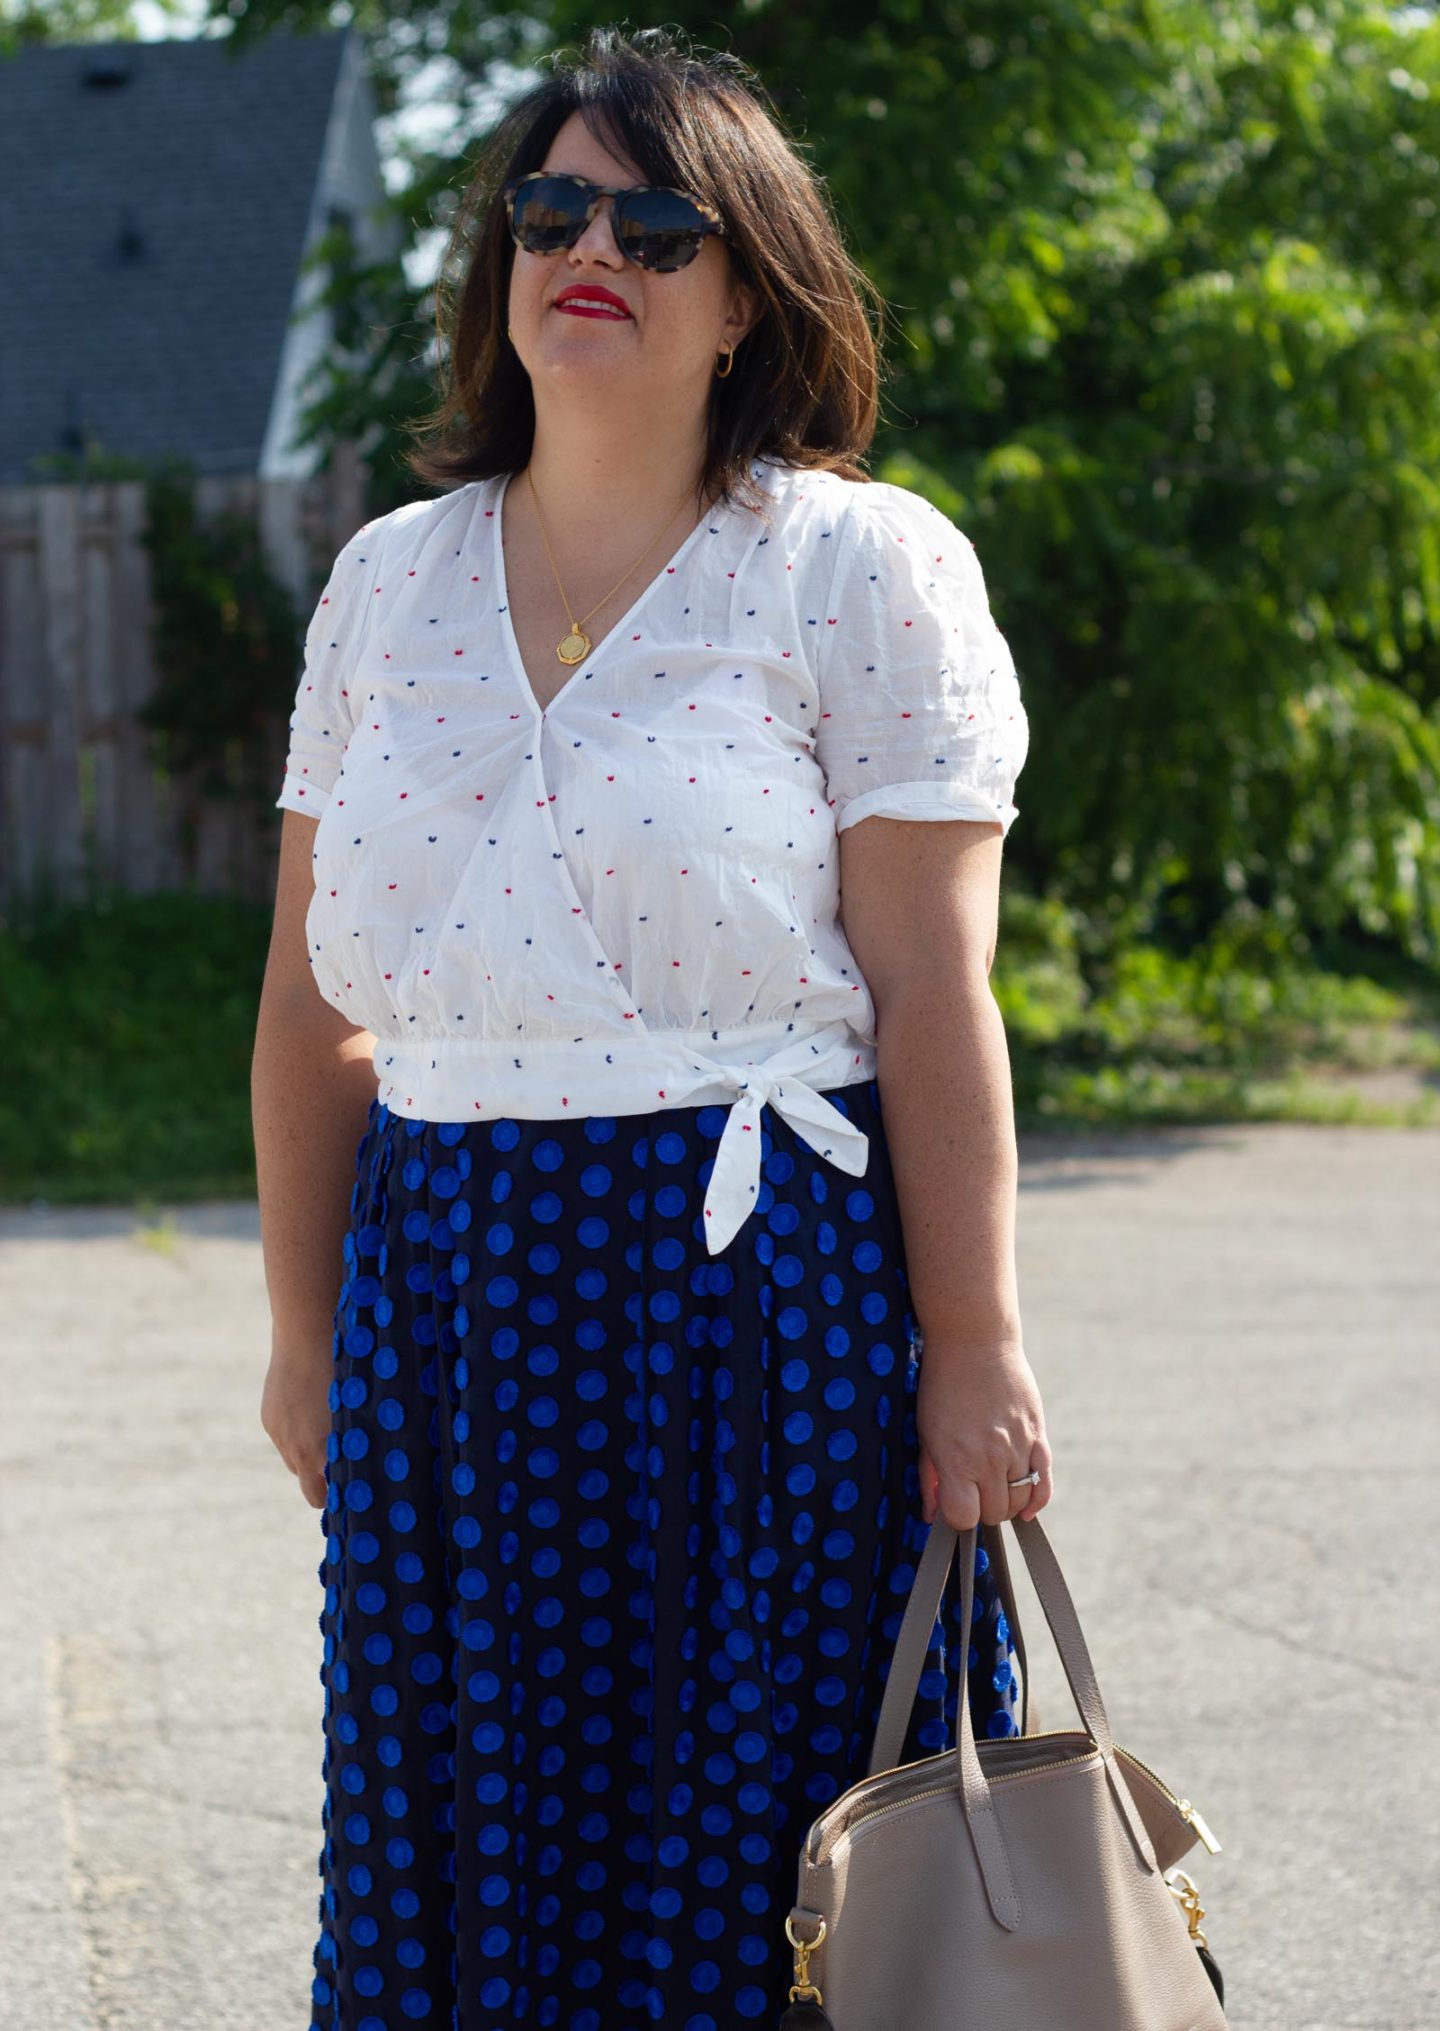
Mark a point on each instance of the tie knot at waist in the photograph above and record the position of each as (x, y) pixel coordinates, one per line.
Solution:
(782, 1065)
(735, 1179)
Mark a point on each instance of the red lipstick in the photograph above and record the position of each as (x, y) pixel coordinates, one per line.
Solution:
(582, 299)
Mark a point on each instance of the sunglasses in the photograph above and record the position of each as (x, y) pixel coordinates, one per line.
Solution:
(655, 227)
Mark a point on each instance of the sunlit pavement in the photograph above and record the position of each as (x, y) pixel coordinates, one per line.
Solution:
(1237, 1333)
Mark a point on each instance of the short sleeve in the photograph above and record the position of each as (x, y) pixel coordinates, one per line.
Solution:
(323, 719)
(920, 709)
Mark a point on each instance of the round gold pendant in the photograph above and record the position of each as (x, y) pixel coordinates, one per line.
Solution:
(575, 646)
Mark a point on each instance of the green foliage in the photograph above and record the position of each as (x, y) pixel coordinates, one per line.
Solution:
(122, 1090)
(24, 23)
(1164, 278)
(377, 376)
(225, 635)
(1232, 1028)
(119, 1093)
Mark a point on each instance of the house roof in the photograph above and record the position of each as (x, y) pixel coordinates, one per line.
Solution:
(160, 196)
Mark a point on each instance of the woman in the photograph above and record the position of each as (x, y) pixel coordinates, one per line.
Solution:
(619, 1429)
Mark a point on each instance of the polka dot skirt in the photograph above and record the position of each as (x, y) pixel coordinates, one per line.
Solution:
(618, 1536)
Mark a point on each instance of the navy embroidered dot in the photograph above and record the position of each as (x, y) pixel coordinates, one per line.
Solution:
(617, 1541)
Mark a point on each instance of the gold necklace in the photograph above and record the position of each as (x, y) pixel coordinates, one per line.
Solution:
(575, 646)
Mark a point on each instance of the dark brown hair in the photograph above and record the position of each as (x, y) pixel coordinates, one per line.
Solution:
(804, 387)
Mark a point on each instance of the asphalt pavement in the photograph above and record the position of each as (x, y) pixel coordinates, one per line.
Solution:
(1236, 1331)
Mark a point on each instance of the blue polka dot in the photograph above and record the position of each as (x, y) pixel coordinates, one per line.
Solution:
(600, 1508)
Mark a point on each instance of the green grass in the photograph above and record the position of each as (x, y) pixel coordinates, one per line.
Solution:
(1233, 1030)
(129, 1026)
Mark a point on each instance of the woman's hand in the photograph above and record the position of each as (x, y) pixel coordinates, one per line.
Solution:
(981, 1426)
(295, 1411)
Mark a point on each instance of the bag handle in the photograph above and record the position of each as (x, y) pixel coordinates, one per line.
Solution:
(992, 1536)
(903, 1681)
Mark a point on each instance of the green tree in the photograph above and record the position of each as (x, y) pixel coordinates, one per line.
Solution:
(1164, 280)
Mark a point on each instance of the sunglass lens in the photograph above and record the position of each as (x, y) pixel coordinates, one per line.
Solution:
(659, 229)
(549, 214)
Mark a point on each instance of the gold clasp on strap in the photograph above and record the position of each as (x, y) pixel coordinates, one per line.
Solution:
(803, 1990)
(1183, 1889)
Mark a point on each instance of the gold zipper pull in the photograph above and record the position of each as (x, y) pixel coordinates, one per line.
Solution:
(1188, 1811)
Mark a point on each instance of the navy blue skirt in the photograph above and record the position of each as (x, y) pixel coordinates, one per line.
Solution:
(618, 1536)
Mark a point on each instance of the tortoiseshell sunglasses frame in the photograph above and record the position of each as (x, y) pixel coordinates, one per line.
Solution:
(710, 219)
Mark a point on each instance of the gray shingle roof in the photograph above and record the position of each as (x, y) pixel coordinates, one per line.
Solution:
(152, 229)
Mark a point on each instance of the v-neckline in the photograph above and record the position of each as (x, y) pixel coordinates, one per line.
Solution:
(586, 667)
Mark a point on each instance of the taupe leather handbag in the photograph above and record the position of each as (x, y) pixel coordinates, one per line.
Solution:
(1026, 1880)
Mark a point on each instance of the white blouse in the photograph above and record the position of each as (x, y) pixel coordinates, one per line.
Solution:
(630, 900)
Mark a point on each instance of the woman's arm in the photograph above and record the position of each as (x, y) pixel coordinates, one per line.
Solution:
(920, 907)
(311, 1084)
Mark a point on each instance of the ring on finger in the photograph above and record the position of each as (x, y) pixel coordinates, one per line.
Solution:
(1030, 1480)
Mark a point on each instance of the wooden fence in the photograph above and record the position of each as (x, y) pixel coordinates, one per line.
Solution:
(81, 800)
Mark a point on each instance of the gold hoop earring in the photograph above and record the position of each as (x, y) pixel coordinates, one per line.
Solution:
(724, 373)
